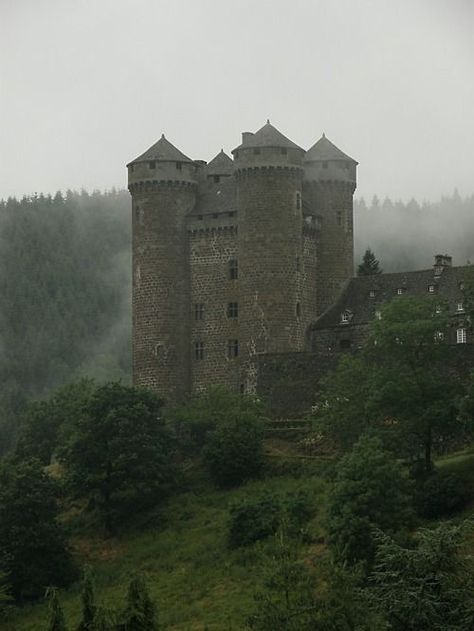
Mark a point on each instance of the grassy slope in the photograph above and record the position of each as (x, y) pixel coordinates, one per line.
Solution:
(196, 580)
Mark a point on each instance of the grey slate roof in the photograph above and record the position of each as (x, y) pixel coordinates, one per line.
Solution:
(222, 164)
(216, 198)
(162, 151)
(268, 136)
(356, 297)
(324, 149)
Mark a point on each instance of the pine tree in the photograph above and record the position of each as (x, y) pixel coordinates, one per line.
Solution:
(140, 612)
(89, 607)
(57, 621)
(369, 265)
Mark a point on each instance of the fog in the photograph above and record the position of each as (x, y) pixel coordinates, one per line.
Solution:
(86, 86)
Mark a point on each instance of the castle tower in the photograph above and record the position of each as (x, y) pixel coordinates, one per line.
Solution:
(269, 177)
(329, 185)
(163, 187)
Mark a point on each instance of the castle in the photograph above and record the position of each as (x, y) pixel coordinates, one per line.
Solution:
(236, 258)
(243, 270)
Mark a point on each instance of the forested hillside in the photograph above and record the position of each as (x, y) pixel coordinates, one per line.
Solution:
(65, 276)
(65, 288)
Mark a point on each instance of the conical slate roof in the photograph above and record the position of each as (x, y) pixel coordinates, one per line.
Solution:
(222, 164)
(268, 136)
(324, 149)
(162, 151)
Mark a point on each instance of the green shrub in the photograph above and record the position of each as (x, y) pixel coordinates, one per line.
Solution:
(439, 494)
(234, 451)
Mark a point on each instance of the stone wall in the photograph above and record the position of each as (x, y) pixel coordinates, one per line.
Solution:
(210, 250)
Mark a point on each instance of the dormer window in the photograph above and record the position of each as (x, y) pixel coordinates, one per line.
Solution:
(460, 306)
(346, 316)
(372, 293)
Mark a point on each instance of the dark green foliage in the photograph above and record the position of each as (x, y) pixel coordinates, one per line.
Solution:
(64, 281)
(32, 544)
(199, 417)
(369, 491)
(369, 265)
(46, 423)
(140, 613)
(56, 621)
(251, 520)
(234, 451)
(89, 606)
(428, 587)
(440, 493)
(120, 451)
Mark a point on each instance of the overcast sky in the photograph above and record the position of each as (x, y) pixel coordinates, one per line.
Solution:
(87, 85)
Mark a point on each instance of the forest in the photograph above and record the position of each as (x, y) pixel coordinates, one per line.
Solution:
(209, 515)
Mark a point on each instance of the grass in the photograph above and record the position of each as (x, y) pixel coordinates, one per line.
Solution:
(197, 582)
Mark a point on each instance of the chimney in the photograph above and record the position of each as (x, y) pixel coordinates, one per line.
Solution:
(442, 261)
(246, 135)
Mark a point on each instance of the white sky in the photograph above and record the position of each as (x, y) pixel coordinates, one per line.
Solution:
(87, 85)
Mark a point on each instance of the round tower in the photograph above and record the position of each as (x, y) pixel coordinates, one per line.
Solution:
(329, 185)
(163, 188)
(269, 175)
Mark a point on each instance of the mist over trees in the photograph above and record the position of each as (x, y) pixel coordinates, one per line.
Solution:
(65, 281)
(406, 236)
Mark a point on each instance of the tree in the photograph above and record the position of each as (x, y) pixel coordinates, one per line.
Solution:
(369, 491)
(428, 587)
(140, 613)
(413, 387)
(33, 549)
(234, 451)
(120, 451)
(89, 606)
(57, 621)
(369, 265)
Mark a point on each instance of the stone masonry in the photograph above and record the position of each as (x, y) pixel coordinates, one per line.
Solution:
(234, 260)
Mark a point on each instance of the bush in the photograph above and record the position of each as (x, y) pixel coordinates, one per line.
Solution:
(257, 518)
(234, 451)
(251, 521)
(439, 494)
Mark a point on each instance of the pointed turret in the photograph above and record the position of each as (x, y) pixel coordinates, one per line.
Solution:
(221, 165)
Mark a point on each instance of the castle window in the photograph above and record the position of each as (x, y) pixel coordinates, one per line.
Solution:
(298, 310)
(325, 165)
(232, 348)
(298, 201)
(339, 218)
(232, 309)
(198, 350)
(152, 164)
(439, 336)
(284, 151)
(372, 293)
(233, 269)
(460, 306)
(179, 166)
(298, 264)
(461, 336)
(199, 311)
(256, 151)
